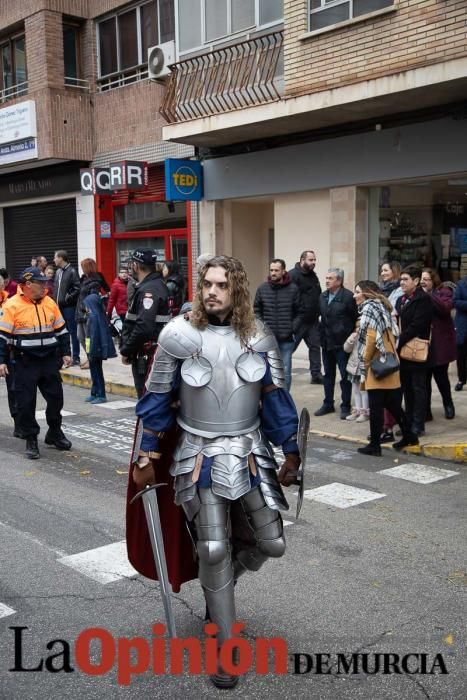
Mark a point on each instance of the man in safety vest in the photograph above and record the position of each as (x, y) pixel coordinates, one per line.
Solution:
(34, 333)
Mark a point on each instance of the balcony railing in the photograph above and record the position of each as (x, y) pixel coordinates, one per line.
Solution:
(232, 77)
(14, 91)
(79, 83)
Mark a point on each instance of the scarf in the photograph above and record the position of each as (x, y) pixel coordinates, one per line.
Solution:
(374, 315)
(388, 287)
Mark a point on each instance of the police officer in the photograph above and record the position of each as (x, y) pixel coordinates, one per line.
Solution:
(147, 313)
(33, 330)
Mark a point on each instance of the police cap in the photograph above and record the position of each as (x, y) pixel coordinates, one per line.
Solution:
(145, 256)
(32, 274)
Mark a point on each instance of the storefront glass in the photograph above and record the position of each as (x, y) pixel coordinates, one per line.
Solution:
(424, 222)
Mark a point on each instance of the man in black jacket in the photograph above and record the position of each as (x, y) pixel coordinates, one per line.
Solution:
(146, 316)
(277, 303)
(338, 312)
(307, 281)
(66, 293)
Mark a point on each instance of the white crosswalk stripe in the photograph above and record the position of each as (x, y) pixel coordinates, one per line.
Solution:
(114, 405)
(418, 473)
(6, 611)
(103, 564)
(40, 415)
(341, 495)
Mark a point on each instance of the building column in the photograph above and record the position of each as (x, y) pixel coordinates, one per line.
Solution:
(349, 232)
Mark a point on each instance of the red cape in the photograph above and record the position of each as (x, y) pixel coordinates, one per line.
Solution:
(181, 564)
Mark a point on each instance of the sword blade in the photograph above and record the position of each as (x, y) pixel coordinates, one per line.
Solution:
(302, 440)
(151, 509)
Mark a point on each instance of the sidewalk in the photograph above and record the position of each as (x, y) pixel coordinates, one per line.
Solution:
(444, 439)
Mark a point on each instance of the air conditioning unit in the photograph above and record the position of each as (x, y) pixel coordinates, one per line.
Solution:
(160, 57)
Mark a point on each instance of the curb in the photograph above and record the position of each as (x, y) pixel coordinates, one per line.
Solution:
(456, 452)
(110, 387)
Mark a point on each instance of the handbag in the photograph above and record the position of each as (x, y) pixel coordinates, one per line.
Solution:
(416, 349)
(385, 365)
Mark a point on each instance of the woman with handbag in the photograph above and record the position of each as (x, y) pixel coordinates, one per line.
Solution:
(415, 311)
(443, 340)
(390, 274)
(377, 349)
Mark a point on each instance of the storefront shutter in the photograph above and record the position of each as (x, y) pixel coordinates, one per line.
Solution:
(39, 229)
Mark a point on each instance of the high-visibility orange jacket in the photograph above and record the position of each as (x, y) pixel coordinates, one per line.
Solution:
(32, 327)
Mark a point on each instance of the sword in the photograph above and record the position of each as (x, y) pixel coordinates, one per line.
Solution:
(151, 509)
(302, 440)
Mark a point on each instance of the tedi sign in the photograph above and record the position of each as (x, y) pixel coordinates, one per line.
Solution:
(124, 175)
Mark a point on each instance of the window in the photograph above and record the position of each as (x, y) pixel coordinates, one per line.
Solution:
(13, 77)
(202, 22)
(149, 216)
(324, 13)
(71, 54)
(124, 38)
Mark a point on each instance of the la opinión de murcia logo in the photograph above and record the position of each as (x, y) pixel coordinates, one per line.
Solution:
(97, 652)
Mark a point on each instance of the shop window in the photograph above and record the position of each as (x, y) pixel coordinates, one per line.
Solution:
(124, 39)
(324, 13)
(150, 216)
(425, 223)
(13, 76)
(202, 22)
(71, 50)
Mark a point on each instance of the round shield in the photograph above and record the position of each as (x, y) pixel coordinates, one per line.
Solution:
(250, 367)
(196, 371)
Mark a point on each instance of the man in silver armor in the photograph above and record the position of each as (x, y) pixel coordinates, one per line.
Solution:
(220, 376)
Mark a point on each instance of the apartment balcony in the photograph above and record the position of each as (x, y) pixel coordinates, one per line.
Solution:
(13, 91)
(234, 77)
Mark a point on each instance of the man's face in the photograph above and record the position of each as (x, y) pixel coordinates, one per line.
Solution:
(276, 272)
(42, 263)
(309, 262)
(216, 294)
(58, 260)
(34, 290)
(332, 282)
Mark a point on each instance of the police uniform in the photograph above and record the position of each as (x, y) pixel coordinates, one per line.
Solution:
(34, 334)
(147, 313)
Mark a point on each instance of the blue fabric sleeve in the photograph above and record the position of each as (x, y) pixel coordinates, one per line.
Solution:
(156, 414)
(279, 419)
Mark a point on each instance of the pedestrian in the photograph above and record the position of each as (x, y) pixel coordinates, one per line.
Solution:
(10, 285)
(376, 339)
(34, 331)
(415, 311)
(361, 412)
(306, 279)
(66, 292)
(49, 275)
(9, 376)
(338, 312)
(460, 304)
(99, 346)
(34, 261)
(146, 316)
(390, 274)
(175, 284)
(90, 282)
(118, 295)
(277, 304)
(443, 340)
(224, 465)
(41, 263)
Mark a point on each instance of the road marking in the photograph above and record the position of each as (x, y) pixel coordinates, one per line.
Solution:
(103, 564)
(31, 538)
(341, 495)
(287, 522)
(5, 610)
(418, 473)
(113, 405)
(40, 415)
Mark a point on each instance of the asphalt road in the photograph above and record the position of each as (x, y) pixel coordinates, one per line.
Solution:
(382, 576)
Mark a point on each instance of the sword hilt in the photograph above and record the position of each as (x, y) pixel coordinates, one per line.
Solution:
(153, 487)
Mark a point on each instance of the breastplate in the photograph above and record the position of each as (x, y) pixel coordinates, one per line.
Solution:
(221, 386)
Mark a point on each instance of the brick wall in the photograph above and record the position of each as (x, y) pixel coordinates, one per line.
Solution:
(13, 11)
(418, 33)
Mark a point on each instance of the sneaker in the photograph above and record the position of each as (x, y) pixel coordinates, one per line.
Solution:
(324, 410)
(362, 418)
(387, 436)
(98, 399)
(370, 449)
(354, 415)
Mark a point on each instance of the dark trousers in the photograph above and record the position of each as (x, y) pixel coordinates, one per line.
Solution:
(33, 373)
(391, 400)
(462, 362)
(440, 375)
(331, 360)
(139, 368)
(413, 381)
(310, 335)
(97, 377)
(10, 387)
(69, 313)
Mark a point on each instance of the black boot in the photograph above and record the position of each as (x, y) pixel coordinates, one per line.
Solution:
(373, 450)
(408, 440)
(449, 410)
(58, 439)
(32, 450)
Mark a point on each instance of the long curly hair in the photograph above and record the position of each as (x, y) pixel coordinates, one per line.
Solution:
(243, 319)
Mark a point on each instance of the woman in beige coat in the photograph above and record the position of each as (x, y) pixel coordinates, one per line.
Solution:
(377, 336)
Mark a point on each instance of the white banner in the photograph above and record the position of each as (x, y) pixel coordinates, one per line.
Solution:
(18, 122)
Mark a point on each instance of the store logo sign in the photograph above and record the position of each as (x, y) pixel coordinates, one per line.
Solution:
(124, 175)
(183, 180)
